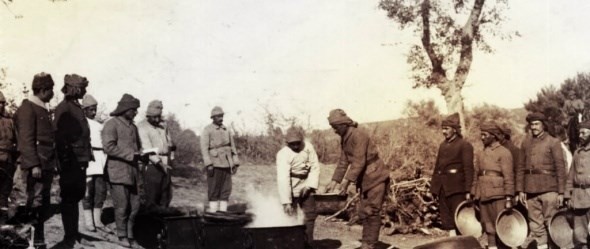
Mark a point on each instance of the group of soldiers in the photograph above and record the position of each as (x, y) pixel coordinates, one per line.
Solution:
(538, 178)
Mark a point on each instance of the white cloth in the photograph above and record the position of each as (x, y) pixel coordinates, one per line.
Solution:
(304, 162)
(568, 157)
(96, 167)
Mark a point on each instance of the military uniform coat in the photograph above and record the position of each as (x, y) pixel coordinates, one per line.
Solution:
(218, 147)
(296, 171)
(494, 158)
(97, 166)
(578, 180)
(359, 161)
(36, 135)
(453, 171)
(120, 142)
(73, 133)
(7, 140)
(541, 153)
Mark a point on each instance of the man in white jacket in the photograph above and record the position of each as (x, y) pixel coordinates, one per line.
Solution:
(298, 177)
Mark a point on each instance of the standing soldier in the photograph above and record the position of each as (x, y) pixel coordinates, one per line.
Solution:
(298, 176)
(7, 158)
(360, 163)
(221, 160)
(121, 144)
(153, 134)
(74, 152)
(96, 187)
(540, 177)
(453, 172)
(577, 190)
(493, 184)
(36, 143)
(506, 141)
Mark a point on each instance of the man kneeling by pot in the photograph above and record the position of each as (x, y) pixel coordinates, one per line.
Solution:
(298, 177)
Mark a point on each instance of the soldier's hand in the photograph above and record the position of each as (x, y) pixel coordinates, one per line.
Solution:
(234, 170)
(288, 209)
(37, 172)
(522, 198)
(508, 203)
(210, 170)
(568, 203)
(560, 200)
(468, 197)
(343, 187)
(305, 192)
(331, 186)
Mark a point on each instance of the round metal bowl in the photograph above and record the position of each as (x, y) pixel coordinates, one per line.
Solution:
(326, 204)
(466, 220)
(561, 230)
(459, 242)
(511, 227)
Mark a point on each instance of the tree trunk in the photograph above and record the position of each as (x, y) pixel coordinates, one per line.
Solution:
(451, 91)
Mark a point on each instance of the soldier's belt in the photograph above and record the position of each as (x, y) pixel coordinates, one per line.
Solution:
(582, 186)
(97, 148)
(300, 176)
(538, 172)
(219, 146)
(490, 173)
(450, 171)
(44, 143)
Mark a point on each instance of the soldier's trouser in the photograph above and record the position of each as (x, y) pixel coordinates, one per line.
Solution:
(308, 207)
(6, 174)
(219, 185)
(96, 192)
(157, 186)
(489, 210)
(447, 206)
(541, 208)
(126, 202)
(72, 184)
(371, 202)
(581, 220)
(38, 201)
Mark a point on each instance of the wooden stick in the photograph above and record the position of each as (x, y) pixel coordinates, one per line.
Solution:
(343, 209)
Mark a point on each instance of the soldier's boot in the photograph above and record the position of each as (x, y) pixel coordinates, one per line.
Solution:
(371, 228)
(39, 236)
(89, 220)
(96, 212)
(223, 206)
(213, 206)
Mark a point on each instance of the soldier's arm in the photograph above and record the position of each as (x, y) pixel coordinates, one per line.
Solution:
(508, 172)
(109, 143)
(519, 179)
(146, 143)
(234, 151)
(341, 168)
(313, 178)
(467, 157)
(358, 161)
(204, 141)
(27, 127)
(569, 183)
(558, 159)
(475, 171)
(283, 178)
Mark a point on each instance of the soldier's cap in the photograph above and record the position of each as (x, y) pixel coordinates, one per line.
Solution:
(452, 120)
(126, 103)
(338, 116)
(536, 116)
(216, 111)
(294, 134)
(42, 81)
(88, 101)
(75, 80)
(491, 128)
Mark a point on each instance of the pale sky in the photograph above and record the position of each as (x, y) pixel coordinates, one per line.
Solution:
(300, 58)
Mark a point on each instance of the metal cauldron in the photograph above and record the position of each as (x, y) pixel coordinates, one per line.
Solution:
(459, 242)
(288, 237)
(511, 227)
(561, 229)
(327, 204)
(467, 221)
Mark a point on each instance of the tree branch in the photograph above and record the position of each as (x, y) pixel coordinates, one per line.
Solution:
(467, 34)
(438, 73)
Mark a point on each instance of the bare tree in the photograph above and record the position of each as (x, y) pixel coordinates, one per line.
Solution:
(444, 56)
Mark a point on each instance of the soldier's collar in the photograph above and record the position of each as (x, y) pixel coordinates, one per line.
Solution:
(217, 127)
(37, 101)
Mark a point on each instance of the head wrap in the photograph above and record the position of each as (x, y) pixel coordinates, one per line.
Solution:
(154, 108)
(338, 116)
(294, 134)
(506, 130)
(452, 121)
(88, 101)
(216, 111)
(126, 103)
(42, 81)
(492, 129)
(75, 80)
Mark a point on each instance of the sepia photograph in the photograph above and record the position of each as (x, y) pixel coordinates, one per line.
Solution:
(275, 124)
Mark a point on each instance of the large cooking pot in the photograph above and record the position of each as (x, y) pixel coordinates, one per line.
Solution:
(466, 219)
(458, 242)
(511, 227)
(561, 229)
(327, 204)
(288, 237)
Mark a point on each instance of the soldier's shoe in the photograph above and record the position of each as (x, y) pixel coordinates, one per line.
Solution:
(134, 244)
(124, 242)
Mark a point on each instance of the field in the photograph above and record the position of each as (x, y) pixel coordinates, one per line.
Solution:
(191, 192)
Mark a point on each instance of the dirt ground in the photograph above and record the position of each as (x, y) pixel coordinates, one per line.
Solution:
(191, 193)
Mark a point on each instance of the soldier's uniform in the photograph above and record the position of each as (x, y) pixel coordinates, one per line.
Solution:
(540, 173)
(296, 171)
(578, 192)
(7, 160)
(157, 184)
(360, 163)
(121, 144)
(493, 183)
(36, 143)
(219, 150)
(74, 152)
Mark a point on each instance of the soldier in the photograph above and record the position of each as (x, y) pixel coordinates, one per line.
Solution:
(36, 143)
(7, 158)
(360, 163)
(298, 175)
(573, 107)
(577, 192)
(74, 152)
(453, 172)
(153, 134)
(221, 160)
(96, 187)
(121, 144)
(540, 177)
(493, 182)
